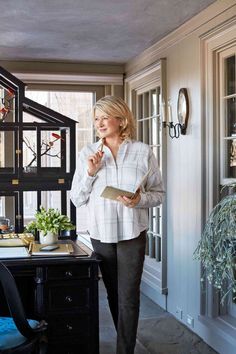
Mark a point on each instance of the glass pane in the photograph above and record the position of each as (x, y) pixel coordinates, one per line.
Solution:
(7, 156)
(230, 75)
(145, 138)
(151, 245)
(84, 135)
(7, 214)
(29, 118)
(140, 130)
(155, 219)
(67, 136)
(51, 199)
(68, 203)
(29, 151)
(154, 107)
(156, 151)
(150, 219)
(158, 249)
(7, 105)
(146, 103)
(140, 107)
(75, 105)
(154, 131)
(50, 146)
(139, 116)
(230, 158)
(30, 206)
(231, 116)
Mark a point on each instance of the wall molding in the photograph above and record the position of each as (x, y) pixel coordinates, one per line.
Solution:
(73, 79)
(212, 43)
(209, 16)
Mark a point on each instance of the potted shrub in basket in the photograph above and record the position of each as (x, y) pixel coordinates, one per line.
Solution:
(217, 248)
(49, 223)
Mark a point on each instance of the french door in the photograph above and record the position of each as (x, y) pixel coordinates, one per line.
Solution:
(145, 93)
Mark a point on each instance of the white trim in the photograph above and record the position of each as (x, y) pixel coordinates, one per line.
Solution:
(154, 281)
(212, 45)
(220, 329)
(79, 79)
(154, 293)
(151, 69)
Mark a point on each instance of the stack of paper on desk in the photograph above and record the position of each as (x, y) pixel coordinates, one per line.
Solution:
(14, 252)
(12, 242)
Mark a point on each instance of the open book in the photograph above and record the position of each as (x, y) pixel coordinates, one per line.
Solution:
(113, 192)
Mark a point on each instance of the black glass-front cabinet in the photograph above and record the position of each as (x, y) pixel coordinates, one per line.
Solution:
(37, 155)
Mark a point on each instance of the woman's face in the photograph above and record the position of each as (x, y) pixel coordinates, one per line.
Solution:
(106, 126)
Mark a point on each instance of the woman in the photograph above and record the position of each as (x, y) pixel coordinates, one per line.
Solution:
(118, 227)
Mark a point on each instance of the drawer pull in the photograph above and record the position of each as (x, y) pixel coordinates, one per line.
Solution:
(69, 327)
(69, 274)
(68, 298)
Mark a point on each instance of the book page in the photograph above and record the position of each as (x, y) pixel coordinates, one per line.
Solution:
(113, 192)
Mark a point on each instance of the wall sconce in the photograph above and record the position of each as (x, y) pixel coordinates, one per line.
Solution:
(175, 130)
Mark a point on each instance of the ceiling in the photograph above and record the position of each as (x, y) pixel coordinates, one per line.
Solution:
(94, 31)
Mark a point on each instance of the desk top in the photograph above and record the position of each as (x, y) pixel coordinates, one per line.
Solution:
(80, 254)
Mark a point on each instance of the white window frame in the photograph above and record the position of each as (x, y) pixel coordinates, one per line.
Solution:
(213, 44)
(154, 280)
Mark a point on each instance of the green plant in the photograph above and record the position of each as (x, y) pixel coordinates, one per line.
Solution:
(49, 220)
(217, 248)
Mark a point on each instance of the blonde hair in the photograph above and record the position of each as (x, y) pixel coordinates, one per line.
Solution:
(117, 108)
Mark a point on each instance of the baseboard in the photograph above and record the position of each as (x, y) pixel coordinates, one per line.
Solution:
(154, 294)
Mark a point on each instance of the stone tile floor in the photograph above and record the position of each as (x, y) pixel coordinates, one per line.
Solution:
(158, 333)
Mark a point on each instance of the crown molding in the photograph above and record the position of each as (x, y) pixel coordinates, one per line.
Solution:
(72, 79)
(220, 10)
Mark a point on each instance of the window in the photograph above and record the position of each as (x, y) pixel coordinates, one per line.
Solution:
(219, 53)
(75, 105)
(227, 100)
(228, 115)
(145, 92)
(149, 131)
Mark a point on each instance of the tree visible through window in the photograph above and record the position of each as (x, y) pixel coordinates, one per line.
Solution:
(75, 105)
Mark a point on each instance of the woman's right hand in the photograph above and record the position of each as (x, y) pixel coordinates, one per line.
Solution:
(95, 163)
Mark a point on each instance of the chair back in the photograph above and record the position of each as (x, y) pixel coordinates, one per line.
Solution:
(16, 308)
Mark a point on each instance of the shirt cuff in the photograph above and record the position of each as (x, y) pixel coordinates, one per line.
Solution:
(88, 180)
(142, 202)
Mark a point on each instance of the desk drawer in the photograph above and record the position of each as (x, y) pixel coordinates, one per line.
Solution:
(69, 326)
(68, 297)
(78, 271)
(75, 347)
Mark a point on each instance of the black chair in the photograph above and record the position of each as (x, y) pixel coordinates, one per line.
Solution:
(17, 334)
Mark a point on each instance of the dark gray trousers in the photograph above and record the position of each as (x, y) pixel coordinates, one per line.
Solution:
(121, 268)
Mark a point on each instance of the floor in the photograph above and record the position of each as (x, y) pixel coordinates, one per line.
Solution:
(158, 331)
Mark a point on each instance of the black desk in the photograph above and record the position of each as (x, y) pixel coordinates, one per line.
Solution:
(64, 292)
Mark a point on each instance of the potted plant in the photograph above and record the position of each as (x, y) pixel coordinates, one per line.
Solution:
(49, 223)
(217, 248)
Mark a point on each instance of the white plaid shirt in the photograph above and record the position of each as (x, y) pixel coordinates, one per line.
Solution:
(109, 220)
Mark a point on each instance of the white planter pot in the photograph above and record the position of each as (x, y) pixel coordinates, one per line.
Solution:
(49, 239)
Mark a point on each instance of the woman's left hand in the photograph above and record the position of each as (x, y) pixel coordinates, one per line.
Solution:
(130, 202)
